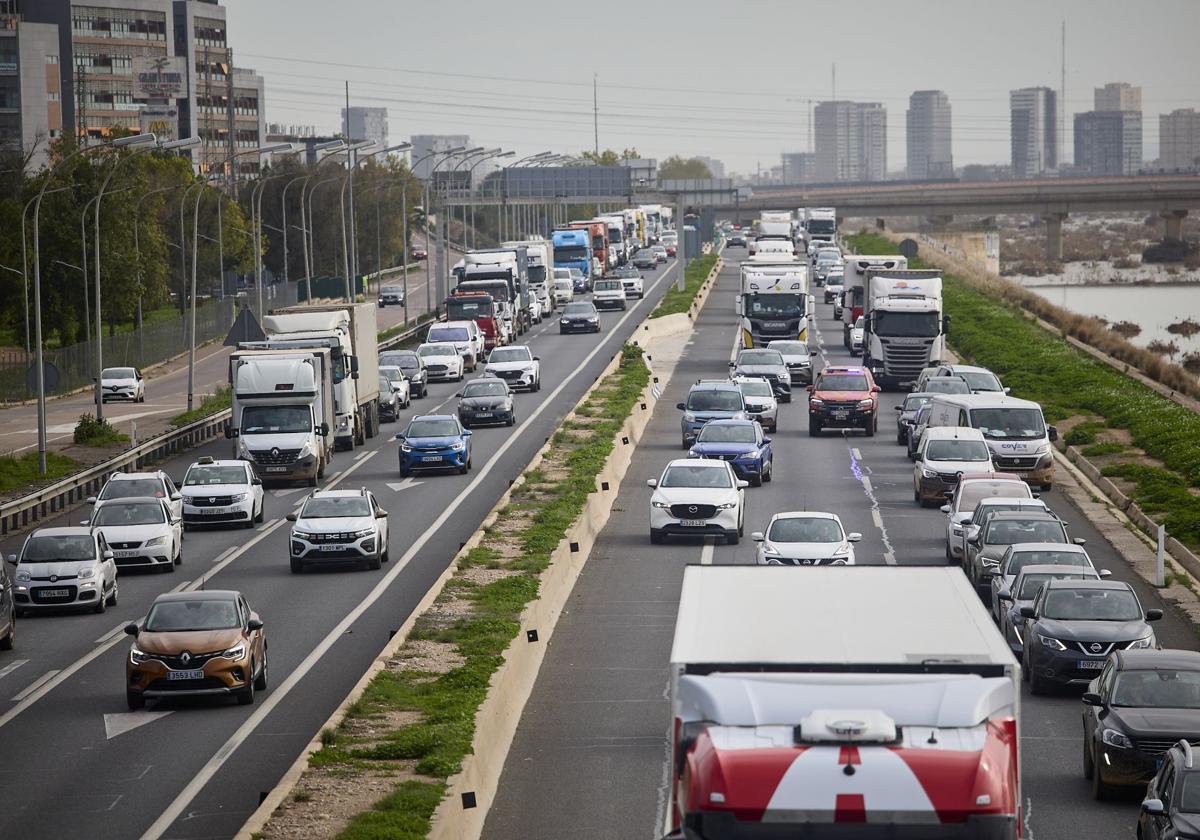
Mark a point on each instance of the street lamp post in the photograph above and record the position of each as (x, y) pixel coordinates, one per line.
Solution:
(329, 145)
(430, 248)
(471, 191)
(483, 154)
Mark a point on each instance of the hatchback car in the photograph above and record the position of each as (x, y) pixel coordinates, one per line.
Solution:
(579, 316)
(516, 365)
(1142, 703)
(971, 490)
(486, 400)
(338, 527)
(797, 357)
(984, 549)
(844, 397)
(739, 442)
(1023, 592)
(413, 366)
(434, 442)
(141, 532)
(856, 336)
(608, 294)
(660, 252)
(833, 287)
(63, 568)
(696, 498)
(129, 485)
(466, 337)
(207, 643)
(579, 283)
(1021, 555)
(765, 364)
(906, 414)
(945, 453)
(805, 538)
(397, 383)
(979, 379)
(122, 383)
(442, 362)
(1171, 809)
(760, 401)
(737, 239)
(563, 291)
(391, 296)
(1073, 625)
(221, 493)
(916, 432)
(709, 400)
(645, 258)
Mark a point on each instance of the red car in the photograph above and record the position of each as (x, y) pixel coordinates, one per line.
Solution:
(419, 254)
(670, 250)
(843, 397)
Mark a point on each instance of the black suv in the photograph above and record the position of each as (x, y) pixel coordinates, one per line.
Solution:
(1171, 809)
(1143, 702)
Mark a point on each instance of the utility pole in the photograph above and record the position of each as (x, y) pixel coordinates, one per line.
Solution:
(834, 81)
(595, 118)
(1062, 103)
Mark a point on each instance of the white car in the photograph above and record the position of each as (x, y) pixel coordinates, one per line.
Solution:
(805, 538)
(945, 453)
(760, 401)
(222, 492)
(564, 290)
(856, 337)
(399, 382)
(697, 497)
(516, 365)
(967, 495)
(464, 336)
(64, 567)
(137, 485)
(122, 383)
(633, 286)
(608, 294)
(140, 532)
(339, 527)
(442, 362)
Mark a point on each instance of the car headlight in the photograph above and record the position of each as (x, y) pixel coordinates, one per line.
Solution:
(23, 576)
(238, 651)
(305, 450)
(301, 535)
(1144, 642)
(137, 656)
(693, 454)
(688, 417)
(565, 322)
(457, 446)
(1044, 449)
(365, 532)
(404, 447)
(866, 402)
(817, 401)
(241, 497)
(592, 319)
(928, 473)
(156, 541)
(727, 506)
(84, 574)
(1114, 738)
(655, 503)
(1051, 643)
(991, 562)
(770, 549)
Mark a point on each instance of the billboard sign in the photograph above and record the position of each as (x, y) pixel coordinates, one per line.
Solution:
(162, 120)
(160, 77)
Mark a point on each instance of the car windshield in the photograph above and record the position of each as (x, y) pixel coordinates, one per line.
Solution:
(329, 507)
(214, 474)
(428, 350)
(392, 290)
(579, 309)
(63, 548)
(760, 357)
(563, 285)
(1030, 584)
(913, 402)
(275, 419)
(118, 373)
(833, 281)
(1091, 605)
(1013, 531)
(183, 616)
(957, 450)
(449, 334)
(393, 373)
(432, 429)
(122, 513)
(1021, 559)
(858, 322)
(696, 476)
(981, 380)
(789, 348)
(1158, 689)
(1009, 423)
(485, 389)
(510, 354)
(644, 254)
(757, 388)
(971, 492)
(720, 433)
(805, 530)
(843, 382)
(947, 385)
(711, 399)
(562, 274)
(129, 487)
(607, 285)
(407, 362)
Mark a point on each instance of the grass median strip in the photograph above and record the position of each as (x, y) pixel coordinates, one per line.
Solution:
(675, 301)
(414, 724)
(210, 405)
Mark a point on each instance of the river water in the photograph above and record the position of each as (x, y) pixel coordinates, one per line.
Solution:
(1153, 308)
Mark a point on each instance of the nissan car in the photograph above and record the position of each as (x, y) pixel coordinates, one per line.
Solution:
(805, 538)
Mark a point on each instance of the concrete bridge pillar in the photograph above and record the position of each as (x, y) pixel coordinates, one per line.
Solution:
(1054, 244)
(1173, 223)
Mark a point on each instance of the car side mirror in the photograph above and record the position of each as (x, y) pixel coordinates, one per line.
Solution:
(1153, 807)
(467, 433)
(256, 480)
(875, 389)
(1052, 433)
(536, 358)
(1091, 698)
(766, 440)
(132, 630)
(458, 393)
(757, 536)
(742, 484)
(974, 540)
(107, 555)
(650, 482)
(84, 522)
(176, 496)
(291, 517)
(1004, 595)
(12, 559)
(381, 514)
(899, 408)
(944, 508)
(681, 406)
(853, 536)
(1154, 615)
(91, 500)
(230, 433)
(733, 364)
(1008, 390)
(1079, 541)
(1104, 573)
(254, 624)
(1028, 612)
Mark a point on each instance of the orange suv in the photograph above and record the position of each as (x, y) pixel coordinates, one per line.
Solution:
(843, 397)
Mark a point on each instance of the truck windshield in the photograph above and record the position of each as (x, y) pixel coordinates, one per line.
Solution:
(776, 306)
(498, 291)
(821, 226)
(537, 274)
(598, 243)
(468, 310)
(614, 236)
(1009, 423)
(907, 324)
(570, 253)
(276, 419)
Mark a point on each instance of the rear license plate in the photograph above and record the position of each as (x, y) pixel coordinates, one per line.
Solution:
(332, 548)
(693, 523)
(839, 415)
(431, 458)
(54, 593)
(1091, 664)
(125, 552)
(197, 674)
(275, 469)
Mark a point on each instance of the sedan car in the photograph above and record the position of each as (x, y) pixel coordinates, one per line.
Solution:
(742, 444)
(805, 538)
(419, 253)
(979, 379)
(1142, 703)
(856, 336)
(136, 485)
(645, 258)
(442, 361)
(660, 252)
(760, 401)
(434, 442)
(222, 492)
(63, 567)
(906, 414)
(206, 643)
(833, 287)
(391, 296)
(486, 400)
(971, 490)
(737, 239)
(398, 384)
(140, 532)
(1073, 625)
(945, 453)
(338, 527)
(579, 316)
(413, 366)
(389, 401)
(1024, 591)
(1171, 809)
(797, 357)
(516, 365)
(1021, 555)
(696, 498)
(985, 549)
(122, 383)
(766, 364)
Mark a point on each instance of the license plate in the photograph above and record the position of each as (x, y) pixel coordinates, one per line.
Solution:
(54, 593)
(693, 523)
(275, 469)
(216, 511)
(431, 458)
(332, 548)
(197, 674)
(483, 414)
(125, 552)
(1091, 664)
(839, 415)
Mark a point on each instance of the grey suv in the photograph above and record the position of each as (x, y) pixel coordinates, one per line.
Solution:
(985, 548)
(719, 400)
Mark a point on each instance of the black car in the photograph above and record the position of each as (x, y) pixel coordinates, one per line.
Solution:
(391, 296)
(1143, 702)
(8, 612)
(1171, 809)
(1072, 627)
(413, 367)
(579, 316)
(486, 400)
(906, 414)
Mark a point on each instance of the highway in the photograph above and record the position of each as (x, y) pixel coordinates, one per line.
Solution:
(590, 757)
(76, 763)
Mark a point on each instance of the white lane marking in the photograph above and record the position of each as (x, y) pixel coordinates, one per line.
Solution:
(279, 494)
(866, 482)
(12, 666)
(360, 455)
(280, 692)
(406, 484)
(856, 469)
(225, 553)
(877, 519)
(121, 722)
(120, 628)
(32, 687)
(706, 553)
(857, 455)
(179, 587)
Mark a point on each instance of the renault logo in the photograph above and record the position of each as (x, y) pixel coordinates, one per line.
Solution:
(275, 452)
(1096, 647)
(186, 658)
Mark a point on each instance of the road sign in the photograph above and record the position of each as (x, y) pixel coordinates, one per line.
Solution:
(49, 373)
(909, 248)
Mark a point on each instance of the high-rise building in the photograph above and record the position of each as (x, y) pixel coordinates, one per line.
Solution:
(366, 124)
(799, 167)
(1179, 139)
(851, 141)
(927, 132)
(1118, 96)
(424, 144)
(1108, 142)
(30, 87)
(1034, 131)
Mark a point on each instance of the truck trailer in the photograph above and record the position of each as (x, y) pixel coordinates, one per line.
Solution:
(854, 285)
(904, 329)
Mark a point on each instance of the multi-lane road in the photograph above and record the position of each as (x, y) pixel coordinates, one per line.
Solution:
(75, 763)
(590, 756)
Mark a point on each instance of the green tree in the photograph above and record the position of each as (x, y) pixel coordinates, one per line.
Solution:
(676, 168)
(608, 157)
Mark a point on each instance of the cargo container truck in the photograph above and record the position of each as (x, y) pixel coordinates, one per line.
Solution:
(854, 288)
(904, 330)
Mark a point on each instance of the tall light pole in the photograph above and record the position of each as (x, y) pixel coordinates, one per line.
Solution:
(471, 189)
(351, 163)
(327, 146)
(399, 147)
(431, 250)
(483, 153)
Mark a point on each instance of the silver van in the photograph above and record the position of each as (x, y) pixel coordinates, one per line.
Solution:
(1015, 431)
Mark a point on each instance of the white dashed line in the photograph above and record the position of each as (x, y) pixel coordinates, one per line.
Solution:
(12, 666)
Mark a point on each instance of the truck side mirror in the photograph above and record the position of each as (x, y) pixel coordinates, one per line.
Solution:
(1052, 433)
(322, 429)
(231, 432)
(737, 305)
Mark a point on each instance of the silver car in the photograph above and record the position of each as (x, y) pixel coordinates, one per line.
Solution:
(766, 364)
(797, 357)
(760, 401)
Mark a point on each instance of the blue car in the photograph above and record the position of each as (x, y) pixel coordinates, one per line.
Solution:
(716, 399)
(434, 442)
(742, 444)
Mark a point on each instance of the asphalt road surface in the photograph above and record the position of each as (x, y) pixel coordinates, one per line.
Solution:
(75, 763)
(590, 756)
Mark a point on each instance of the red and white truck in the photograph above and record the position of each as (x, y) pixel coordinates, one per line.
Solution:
(840, 701)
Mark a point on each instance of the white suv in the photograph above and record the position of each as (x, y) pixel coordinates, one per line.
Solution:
(697, 497)
(338, 527)
(139, 485)
(64, 567)
(222, 492)
(140, 532)
(516, 365)
(465, 336)
(608, 294)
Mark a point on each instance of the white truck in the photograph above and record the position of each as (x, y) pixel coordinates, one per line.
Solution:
(540, 256)
(881, 696)
(618, 250)
(351, 332)
(654, 222)
(820, 225)
(774, 303)
(282, 411)
(904, 330)
(853, 285)
(510, 264)
(774, 226)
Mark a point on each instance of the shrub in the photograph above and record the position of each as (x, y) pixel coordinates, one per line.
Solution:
(92, 432)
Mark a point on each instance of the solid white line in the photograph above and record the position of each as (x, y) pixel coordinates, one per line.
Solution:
(179, 587)
(276, 696)
(857, 455)
(113, 632)
(34, 686)
(12, 666)
(877, 519)
(706, 553)
(866, 483)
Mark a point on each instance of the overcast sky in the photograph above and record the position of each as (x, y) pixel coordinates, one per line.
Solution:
(730, 79)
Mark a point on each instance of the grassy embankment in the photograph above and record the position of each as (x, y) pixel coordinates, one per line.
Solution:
(676, 301)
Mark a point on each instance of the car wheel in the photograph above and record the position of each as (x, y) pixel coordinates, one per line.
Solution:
(1037, 683)
(656, 536)
(374, 562)
(512, 418)
(757, 480)
(869, 429)
(1100, 791)
(178, 557)
(245, 697)
(10, 639)
(261, 512)
(814, 428)
(260, 682)
(101, 604)
(134, 701)
(900, 438)
(769, 473)
(405, 473)
(112, 599)
(917, 496)
(297, 566)
(684, 443)
(20, 613)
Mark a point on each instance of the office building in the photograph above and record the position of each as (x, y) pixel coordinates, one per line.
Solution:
(1033, 115)
(1108, 142)
(798, 167)
(366, 124)
(424, 144)
(715, 167)
(851, 141)
(1118, 96)
(1179, 140)
(30, 87)
(927, 132)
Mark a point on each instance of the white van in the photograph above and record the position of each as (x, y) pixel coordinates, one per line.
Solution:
(1015, 431)
(466, 337)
